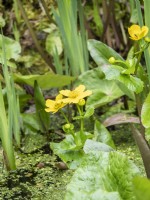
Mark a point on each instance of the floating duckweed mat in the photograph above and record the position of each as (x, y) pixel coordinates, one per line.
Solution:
(36, 178)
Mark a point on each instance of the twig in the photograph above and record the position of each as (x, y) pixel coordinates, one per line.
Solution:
(39, 48)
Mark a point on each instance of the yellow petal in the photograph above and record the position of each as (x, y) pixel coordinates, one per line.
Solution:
(144, 31)
(85, 94)
(49, 103)
(59, 97)
(65, 92)
(47, 109)
(134, 29)
(80, 88)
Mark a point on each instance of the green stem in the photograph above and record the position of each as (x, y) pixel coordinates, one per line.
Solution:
(137, 62)
(82, 120)
(47, 11)
(65, 116)
(143, 148)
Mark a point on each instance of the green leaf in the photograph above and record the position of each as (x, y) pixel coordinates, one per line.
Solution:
(103, 175)
(46, 81)
(147, 134)
(12, 48)
(103, 91)
(91, 145)
(113, 72)
(42, 115)
(89, 112)
(141, 188)
(80, 137)
(145, 116)
(101, 134)
(68, 151)
(101, 53)
(30, 123)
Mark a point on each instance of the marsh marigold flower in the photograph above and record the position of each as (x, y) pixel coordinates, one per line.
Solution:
(75, 95)
(136, 32)
(54, 106)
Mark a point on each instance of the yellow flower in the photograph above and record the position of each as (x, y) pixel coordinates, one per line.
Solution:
(76, 95)
(54, 106)
(136, 32)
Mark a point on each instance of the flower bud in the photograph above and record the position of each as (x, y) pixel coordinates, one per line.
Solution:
(81, 102)
(112, 60)
(147, 39)
(67, 128)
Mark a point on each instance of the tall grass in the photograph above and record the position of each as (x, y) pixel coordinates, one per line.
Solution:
(147, 23)
(75, 46)
(9, 120)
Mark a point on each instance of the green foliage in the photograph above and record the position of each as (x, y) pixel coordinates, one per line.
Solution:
(89, 112)
(103, 175)
(114, 72)
(97, 18)
(5, 136)
(30, 123)
(70, 152)
(145, 117)
(42, 115)
(101, 134)
(103, 91)
(101, 53)
(91, 145)
(46, 81)
(12, 50)
(141, 188)
(147, 23)
(53, 41)
(74, 42)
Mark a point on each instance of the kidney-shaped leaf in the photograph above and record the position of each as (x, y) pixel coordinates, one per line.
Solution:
(113, 72)
(103, 91)
(68, 151)
(103, 175)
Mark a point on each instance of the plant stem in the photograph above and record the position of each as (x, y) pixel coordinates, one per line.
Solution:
(65, 116)
(82, 120)
(143, 148)
(46, 11)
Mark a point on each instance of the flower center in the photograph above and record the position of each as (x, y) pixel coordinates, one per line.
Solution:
(57, 105)
(136, 35)
(73, 94)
